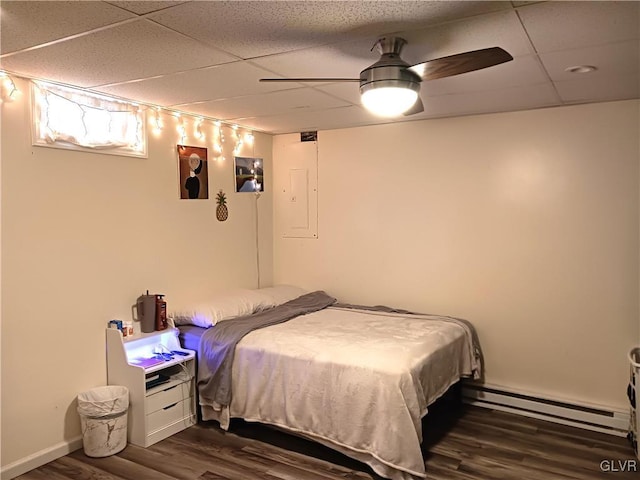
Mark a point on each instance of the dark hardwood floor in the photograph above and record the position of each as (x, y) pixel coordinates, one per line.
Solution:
(461, 443)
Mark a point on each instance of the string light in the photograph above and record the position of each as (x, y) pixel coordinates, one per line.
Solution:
(218, 137)
(9, 91)
(217, 142)
(139, 143)
(238, 148)
(198, 129)
(256, 165)
(237, 140)
(157, 121)
(87, 120)
(43, 103)
(182, 129)
(222, 137)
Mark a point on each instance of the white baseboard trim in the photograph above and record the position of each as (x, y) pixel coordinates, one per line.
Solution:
(599, 419)
(38, 459)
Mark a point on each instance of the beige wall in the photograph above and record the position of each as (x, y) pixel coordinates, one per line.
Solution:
(83, 234)
(525, 223)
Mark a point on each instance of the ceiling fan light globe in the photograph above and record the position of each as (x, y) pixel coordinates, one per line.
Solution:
(389, 101)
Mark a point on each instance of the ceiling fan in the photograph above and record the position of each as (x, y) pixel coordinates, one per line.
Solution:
(390, 86)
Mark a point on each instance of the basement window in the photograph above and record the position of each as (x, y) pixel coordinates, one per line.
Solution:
(71, 118)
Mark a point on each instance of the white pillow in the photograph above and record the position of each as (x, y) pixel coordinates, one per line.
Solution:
(222, 306)
(280, 294)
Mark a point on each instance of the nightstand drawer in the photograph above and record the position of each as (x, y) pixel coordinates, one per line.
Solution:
(170, 414)
(164, 398)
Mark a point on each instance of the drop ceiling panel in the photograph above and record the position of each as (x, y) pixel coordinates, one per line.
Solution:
(263, 32)
(349, 92)
(194, 60)
(135, 50)
(503, 100)
(337, 60)
(269, 104)
(610, 59)
(276, 27)
(348, 59)
(556, 26)
(219, 82)
(599, 88)
(48, 21)
(502, 29)
(302, 121)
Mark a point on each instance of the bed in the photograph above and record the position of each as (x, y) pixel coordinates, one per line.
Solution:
(356, 379)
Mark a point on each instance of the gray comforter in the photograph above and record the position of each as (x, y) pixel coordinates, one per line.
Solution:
(466, 324)
(218, 344)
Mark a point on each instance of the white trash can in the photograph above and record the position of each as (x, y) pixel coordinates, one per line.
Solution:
(103, 418)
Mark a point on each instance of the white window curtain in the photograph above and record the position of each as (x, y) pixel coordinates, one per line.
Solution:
(69, 118)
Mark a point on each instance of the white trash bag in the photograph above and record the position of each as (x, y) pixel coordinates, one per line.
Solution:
(103, 418)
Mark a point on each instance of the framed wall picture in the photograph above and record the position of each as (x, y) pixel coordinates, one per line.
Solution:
(194, 176)
(249, 174)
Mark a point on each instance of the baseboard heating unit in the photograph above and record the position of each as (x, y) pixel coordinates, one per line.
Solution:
(581, 416)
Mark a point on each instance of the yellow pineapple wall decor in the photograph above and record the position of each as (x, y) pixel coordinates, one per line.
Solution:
(222, 212)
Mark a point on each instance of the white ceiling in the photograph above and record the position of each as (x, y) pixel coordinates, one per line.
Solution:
(205, 57)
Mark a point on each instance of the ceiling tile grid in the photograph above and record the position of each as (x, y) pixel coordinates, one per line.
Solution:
(199, 85)
(27, 24)
(610, 59)
(555, 26)
(600, 89)
(141, 7)
(251, 29)
(126, 52)
(207, 57)
(268, 104)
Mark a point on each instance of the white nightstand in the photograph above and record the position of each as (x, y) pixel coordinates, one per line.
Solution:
(155, 412)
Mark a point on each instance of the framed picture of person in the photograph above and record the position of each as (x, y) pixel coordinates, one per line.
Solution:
(194, 176)
(249, 174)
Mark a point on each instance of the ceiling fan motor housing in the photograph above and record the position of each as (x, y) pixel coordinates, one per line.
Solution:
(388, 76)
(390, 70)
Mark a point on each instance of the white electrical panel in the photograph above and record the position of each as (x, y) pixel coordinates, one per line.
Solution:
(297, 188)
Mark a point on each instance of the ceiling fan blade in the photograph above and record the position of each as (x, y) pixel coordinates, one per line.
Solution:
(461, 63)
(416, 108)
(306, 80)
